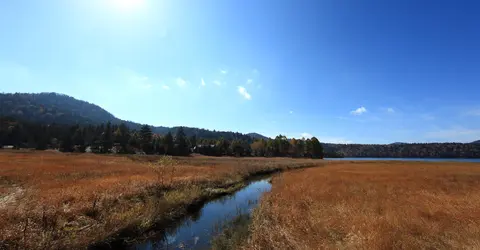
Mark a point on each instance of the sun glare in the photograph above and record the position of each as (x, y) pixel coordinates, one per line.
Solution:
(127, 4)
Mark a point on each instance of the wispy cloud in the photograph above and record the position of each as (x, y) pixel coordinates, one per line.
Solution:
(306, 135)
(358, 111)
(217, 82)
(455, 134)
(146, 86)
(255, 71)
(249, 81)
(137, 80)
(181, 82)
(165, 87)
(390, 110)
(203, 83)
(473, 112)
(291, 112)
(427, 117)
(223, 71)
(243, 92)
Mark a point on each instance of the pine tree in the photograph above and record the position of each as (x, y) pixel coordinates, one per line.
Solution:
(107, 141)
(66, 143)
(168, 143)
(181, 144)
(146, 138)
(122, 136)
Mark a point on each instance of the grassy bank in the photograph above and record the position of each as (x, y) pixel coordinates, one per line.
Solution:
(55, 200)
(371, 205)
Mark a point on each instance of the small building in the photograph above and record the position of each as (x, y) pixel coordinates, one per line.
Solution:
(8, 147)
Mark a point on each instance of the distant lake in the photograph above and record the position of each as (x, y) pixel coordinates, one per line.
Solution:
(404, 159)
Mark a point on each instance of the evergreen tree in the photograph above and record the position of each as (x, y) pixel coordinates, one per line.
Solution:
(122, 136)
(236, 148)
(168, 144)
(223, 146)
(66, 142)
(107, 140)
(146, 138)
(317, 149)
(308, 148)
(181, 145)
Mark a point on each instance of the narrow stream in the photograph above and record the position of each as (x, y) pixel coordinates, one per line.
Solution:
(197, 230)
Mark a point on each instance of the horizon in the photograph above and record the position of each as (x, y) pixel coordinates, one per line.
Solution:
(357, 73)
(248, 133)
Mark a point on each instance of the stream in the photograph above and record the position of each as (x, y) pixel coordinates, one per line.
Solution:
(198, 228)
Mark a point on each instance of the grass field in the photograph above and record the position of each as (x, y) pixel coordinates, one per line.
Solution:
(371, 205)
(54, 200)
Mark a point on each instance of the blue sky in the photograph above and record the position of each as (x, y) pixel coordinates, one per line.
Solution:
(344, 71)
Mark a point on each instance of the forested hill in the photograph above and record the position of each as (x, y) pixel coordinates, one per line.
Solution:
(408, 150)
(49, 108)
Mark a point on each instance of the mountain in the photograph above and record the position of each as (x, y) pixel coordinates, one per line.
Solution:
(48, 108)
(257, 136)
(475, 142)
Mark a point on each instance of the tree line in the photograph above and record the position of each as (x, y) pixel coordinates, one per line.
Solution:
(405, 150)
(113, 138)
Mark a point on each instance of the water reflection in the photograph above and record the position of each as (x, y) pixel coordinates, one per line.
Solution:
(195, 231)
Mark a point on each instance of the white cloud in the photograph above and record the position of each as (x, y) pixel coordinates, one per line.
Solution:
(255, 71)
(181, 82)
(217, 82)
(165, 87)
(249, 81)
(390, 110)
(455, 134)
(203, 82)
(306, 135)
(291, 112)
(242, 91)
(336, 140)
(358, 111)
(223, 71)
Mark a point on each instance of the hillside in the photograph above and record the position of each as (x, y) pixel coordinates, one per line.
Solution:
(476, 142)
(399, 150)
(49, 108)
(257, 136)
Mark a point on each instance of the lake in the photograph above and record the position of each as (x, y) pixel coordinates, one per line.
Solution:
(404, 159)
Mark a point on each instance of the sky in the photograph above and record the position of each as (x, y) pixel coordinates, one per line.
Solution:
(343, 71)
